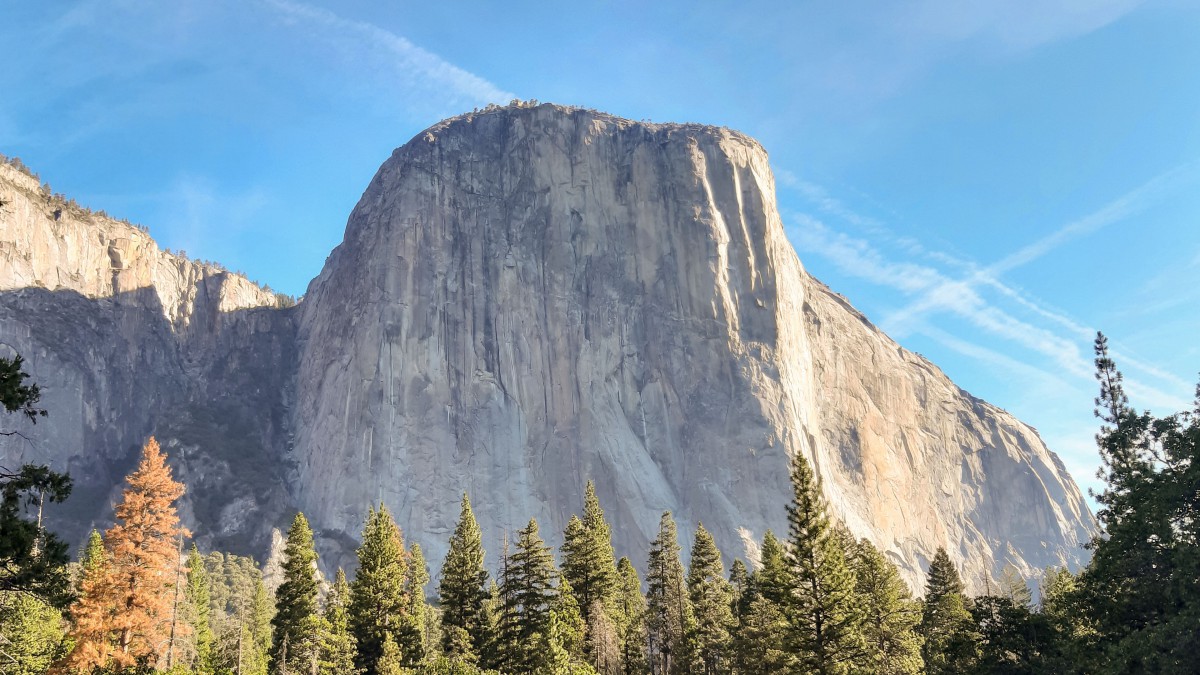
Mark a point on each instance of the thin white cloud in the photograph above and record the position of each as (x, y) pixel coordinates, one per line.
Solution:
(1119, 209)
(407, 59)
(1047, 332)
(1147, 194)
(1014, 25)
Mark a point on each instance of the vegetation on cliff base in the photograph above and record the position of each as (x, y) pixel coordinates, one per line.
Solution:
(820, 602)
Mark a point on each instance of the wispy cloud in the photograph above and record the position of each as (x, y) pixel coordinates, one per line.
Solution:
(1119, 209)
(957, 293)
(407, 61)
(1013, 25)
(939, 282)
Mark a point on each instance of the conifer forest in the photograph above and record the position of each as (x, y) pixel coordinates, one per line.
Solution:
(138, 598)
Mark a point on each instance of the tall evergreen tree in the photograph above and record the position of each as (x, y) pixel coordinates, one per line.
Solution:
(825, 621)
(567, 629)
(296, 608)
(1073, 638)
(588, 560)
(90, 559)
(762, 626)
(630, 606)
(391, 661)
(462, 590)
(758, 647)
(946, 622)
(414, 626)
(526, 593)
(378, 602)
(739, 586)
(711, 598)
(200, 606)
(337, 643)
(491, 649)
(1141, 588)
(254, 640)
(1009, 639)
(891, 615)
(669, 610)
(774, 578)
(124, 616)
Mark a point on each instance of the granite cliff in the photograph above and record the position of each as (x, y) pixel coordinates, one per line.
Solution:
(525, 298)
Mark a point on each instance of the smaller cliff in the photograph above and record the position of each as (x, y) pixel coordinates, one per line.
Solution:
(128, 340)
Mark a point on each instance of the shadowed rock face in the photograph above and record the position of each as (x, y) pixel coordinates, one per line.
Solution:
(527, 298)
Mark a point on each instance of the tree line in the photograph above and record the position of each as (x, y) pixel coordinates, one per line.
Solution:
(814, 601)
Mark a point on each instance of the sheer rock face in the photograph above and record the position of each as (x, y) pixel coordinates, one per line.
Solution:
(126, 340)
(529, 298)
(526, 298)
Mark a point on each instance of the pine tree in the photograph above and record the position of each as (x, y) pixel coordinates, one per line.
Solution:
(711, 598)
(588, 560)
(946, 622)
(199, 603)
(1072, 636)
(296, 602)
(567, 626)
(90, 560)
(825, 631)
(891, 615)
(240, 611)
(462, 590)
(774, 579)
(758, 642)
(1141, 590)
(669, 611)
(124, 617)
(739, 587)
(1009, 638)
(337, 643)
(378, 602)
(255, 635)
(630, 606)
(491, 649)
(391, 661)
(526, 592)
(414, 626)
(32, 560)
(34, 636)
(1014, 587)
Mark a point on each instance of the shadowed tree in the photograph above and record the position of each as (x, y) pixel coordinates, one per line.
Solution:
(32, 560)
(669, 610)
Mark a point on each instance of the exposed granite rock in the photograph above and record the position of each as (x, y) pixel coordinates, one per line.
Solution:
(126, 340)
(526, 298)
(531, 297)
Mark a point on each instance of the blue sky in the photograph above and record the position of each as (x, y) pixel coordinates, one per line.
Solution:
(990, 182)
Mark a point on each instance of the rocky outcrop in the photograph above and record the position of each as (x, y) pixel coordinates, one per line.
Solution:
(527, 298)
(532, 297)
(126, 340)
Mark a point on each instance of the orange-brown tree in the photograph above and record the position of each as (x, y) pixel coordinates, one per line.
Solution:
(125, 613)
